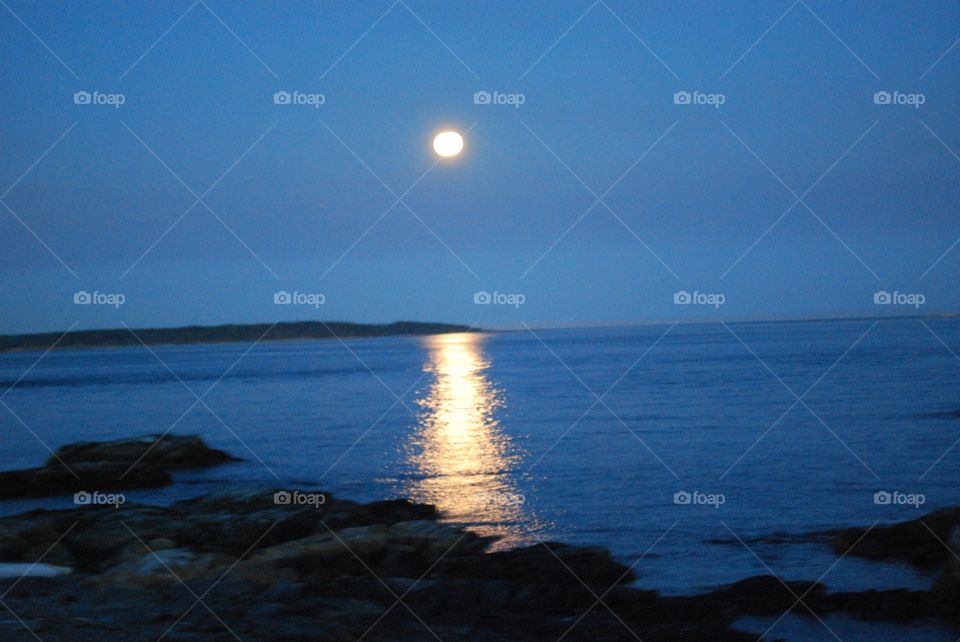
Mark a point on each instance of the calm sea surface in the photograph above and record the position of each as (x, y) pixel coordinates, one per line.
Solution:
(588, 436)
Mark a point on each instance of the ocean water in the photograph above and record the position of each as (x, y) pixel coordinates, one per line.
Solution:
(589, 436)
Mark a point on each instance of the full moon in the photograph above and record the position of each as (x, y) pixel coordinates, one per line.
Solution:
(448, 143)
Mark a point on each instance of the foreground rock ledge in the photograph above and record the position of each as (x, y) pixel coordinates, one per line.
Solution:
(329, 572)
(340, 571)
(142, 462)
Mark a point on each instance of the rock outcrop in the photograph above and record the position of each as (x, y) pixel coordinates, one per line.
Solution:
(329, 571)
(339, 570)
(920, 541)
(111, 466)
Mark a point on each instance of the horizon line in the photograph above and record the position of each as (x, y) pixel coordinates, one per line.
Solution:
(509, 326)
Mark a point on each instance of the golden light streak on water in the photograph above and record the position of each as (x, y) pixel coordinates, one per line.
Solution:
(462, 459)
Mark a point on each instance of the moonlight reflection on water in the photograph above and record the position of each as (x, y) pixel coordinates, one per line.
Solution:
(462, 459)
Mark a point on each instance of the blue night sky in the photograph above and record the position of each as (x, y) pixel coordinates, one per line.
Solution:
(296, 198)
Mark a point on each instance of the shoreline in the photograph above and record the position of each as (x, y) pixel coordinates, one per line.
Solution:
(312, 566)
(374, 330)
(307, 565)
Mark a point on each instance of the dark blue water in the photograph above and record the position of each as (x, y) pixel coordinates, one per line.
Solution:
(505, 433)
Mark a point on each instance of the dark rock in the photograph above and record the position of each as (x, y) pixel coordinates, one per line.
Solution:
(546, 562)
(283, 592)
(111, 466)
(763, 595)
(13, 547)
(153, 451)
(335, 570)
(896, 604)
(57, 479)
(918, 541)
(945, 594)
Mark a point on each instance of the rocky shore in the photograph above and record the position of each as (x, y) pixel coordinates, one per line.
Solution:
(325, 570)
(303, 565)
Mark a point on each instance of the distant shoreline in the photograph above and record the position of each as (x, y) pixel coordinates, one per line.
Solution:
(233, 333)
(300, 330)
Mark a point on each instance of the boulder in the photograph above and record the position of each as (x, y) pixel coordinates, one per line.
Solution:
(165, 452)
(408, 548)
(917, 541)
(111, 466)
(163, 567)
